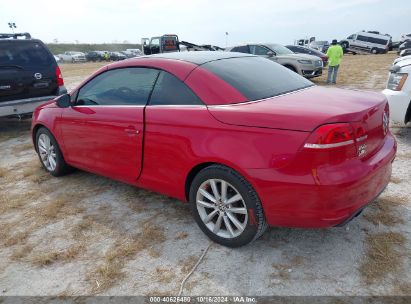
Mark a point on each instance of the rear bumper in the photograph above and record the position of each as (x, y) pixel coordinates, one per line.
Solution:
(328, 196)
(26, 106)
(399, 102)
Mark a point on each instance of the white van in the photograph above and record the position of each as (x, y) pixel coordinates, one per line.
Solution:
(367, 42)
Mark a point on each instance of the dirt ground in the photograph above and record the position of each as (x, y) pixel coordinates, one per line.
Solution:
(83, 234)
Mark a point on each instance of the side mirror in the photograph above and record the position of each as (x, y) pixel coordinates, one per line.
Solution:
(270, 54)
(63, 101)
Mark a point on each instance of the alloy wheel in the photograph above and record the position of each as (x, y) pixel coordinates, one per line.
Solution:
(221, 208)
(47, 152)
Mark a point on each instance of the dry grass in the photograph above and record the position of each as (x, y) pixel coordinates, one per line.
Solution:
(297, 261)
(181, 235)
(17, 238)
(404, 155)
(21, 252)
(79, 230)
(164, 275)
(384, 211)
(396, 180)
(352, 73)
(80, 70)
(23, 148)
(3, 172)
(10, 202)
(281, 271)
(111, 271)
(35, 173)
(188, 263)
(383, 257)
(48, 258)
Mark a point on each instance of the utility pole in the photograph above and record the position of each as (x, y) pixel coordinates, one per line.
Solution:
(12, 25)
(226, 39)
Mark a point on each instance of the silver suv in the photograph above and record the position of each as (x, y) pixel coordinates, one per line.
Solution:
(306, 65)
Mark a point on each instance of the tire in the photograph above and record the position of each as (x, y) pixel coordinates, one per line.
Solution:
(45, 141)
(291, 68)
(374, 51)
(248, 213)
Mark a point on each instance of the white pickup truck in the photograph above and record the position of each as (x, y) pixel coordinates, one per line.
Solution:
(72, 57)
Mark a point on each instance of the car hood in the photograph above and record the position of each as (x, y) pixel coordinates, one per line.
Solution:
(402, 59)
(404, 63)
(298, 57)
(303, 110)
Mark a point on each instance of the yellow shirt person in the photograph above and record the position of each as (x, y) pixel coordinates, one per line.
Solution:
(334, 54)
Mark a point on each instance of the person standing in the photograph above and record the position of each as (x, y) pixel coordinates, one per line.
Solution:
(334, 54)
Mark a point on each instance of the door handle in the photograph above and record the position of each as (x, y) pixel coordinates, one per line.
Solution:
(132, 131)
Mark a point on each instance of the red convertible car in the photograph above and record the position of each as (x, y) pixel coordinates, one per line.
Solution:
(247, 142)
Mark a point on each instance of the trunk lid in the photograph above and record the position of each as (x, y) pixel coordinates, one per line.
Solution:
(309, 108)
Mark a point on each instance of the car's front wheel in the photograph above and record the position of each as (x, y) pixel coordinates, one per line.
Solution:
(50, 154)
(226, 207)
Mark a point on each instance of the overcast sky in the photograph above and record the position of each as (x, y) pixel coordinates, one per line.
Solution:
(204, 22)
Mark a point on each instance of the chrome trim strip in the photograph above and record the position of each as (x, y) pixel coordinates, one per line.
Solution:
(327, 146)
(253, 101)
(362, 138)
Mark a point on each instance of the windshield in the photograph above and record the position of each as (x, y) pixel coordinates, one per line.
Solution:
(257, 77)
(279, 49)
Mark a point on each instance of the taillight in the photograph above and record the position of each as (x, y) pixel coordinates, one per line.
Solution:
(59, 77)
(331, 136)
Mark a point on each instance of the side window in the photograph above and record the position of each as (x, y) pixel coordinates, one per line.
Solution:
(362, 38)
(258, 50)
(155, 45)
(169, 90)
(129, 86)
(304, 51)
(241, 49)
(351, 36)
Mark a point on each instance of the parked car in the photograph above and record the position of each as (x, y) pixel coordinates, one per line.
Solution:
(405, 52)
(116, 56)
(321, 46)
(308, 66)
(401, 59)
(306, 50)
(367, 42)
(246, 141)
(405, 45)
(395, 45)
(72, 57)
(398, 91)
(56, 58)
(29, 75)
(95, 56)
(130, 53)
(405, 37)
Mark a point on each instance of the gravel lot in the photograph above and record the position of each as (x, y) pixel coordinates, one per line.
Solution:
(84, 234)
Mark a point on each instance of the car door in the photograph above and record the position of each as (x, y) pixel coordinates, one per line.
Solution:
(173, 114)
(103, 131)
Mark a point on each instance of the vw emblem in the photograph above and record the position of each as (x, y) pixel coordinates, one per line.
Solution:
(38, 76)
(362, 149)
(385, 123)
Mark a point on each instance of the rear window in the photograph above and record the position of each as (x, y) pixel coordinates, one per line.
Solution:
(257, 77)
(24, 53)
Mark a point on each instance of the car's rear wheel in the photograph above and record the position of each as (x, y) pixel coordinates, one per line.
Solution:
(50, 154)
(226, 207)
(374, 51)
